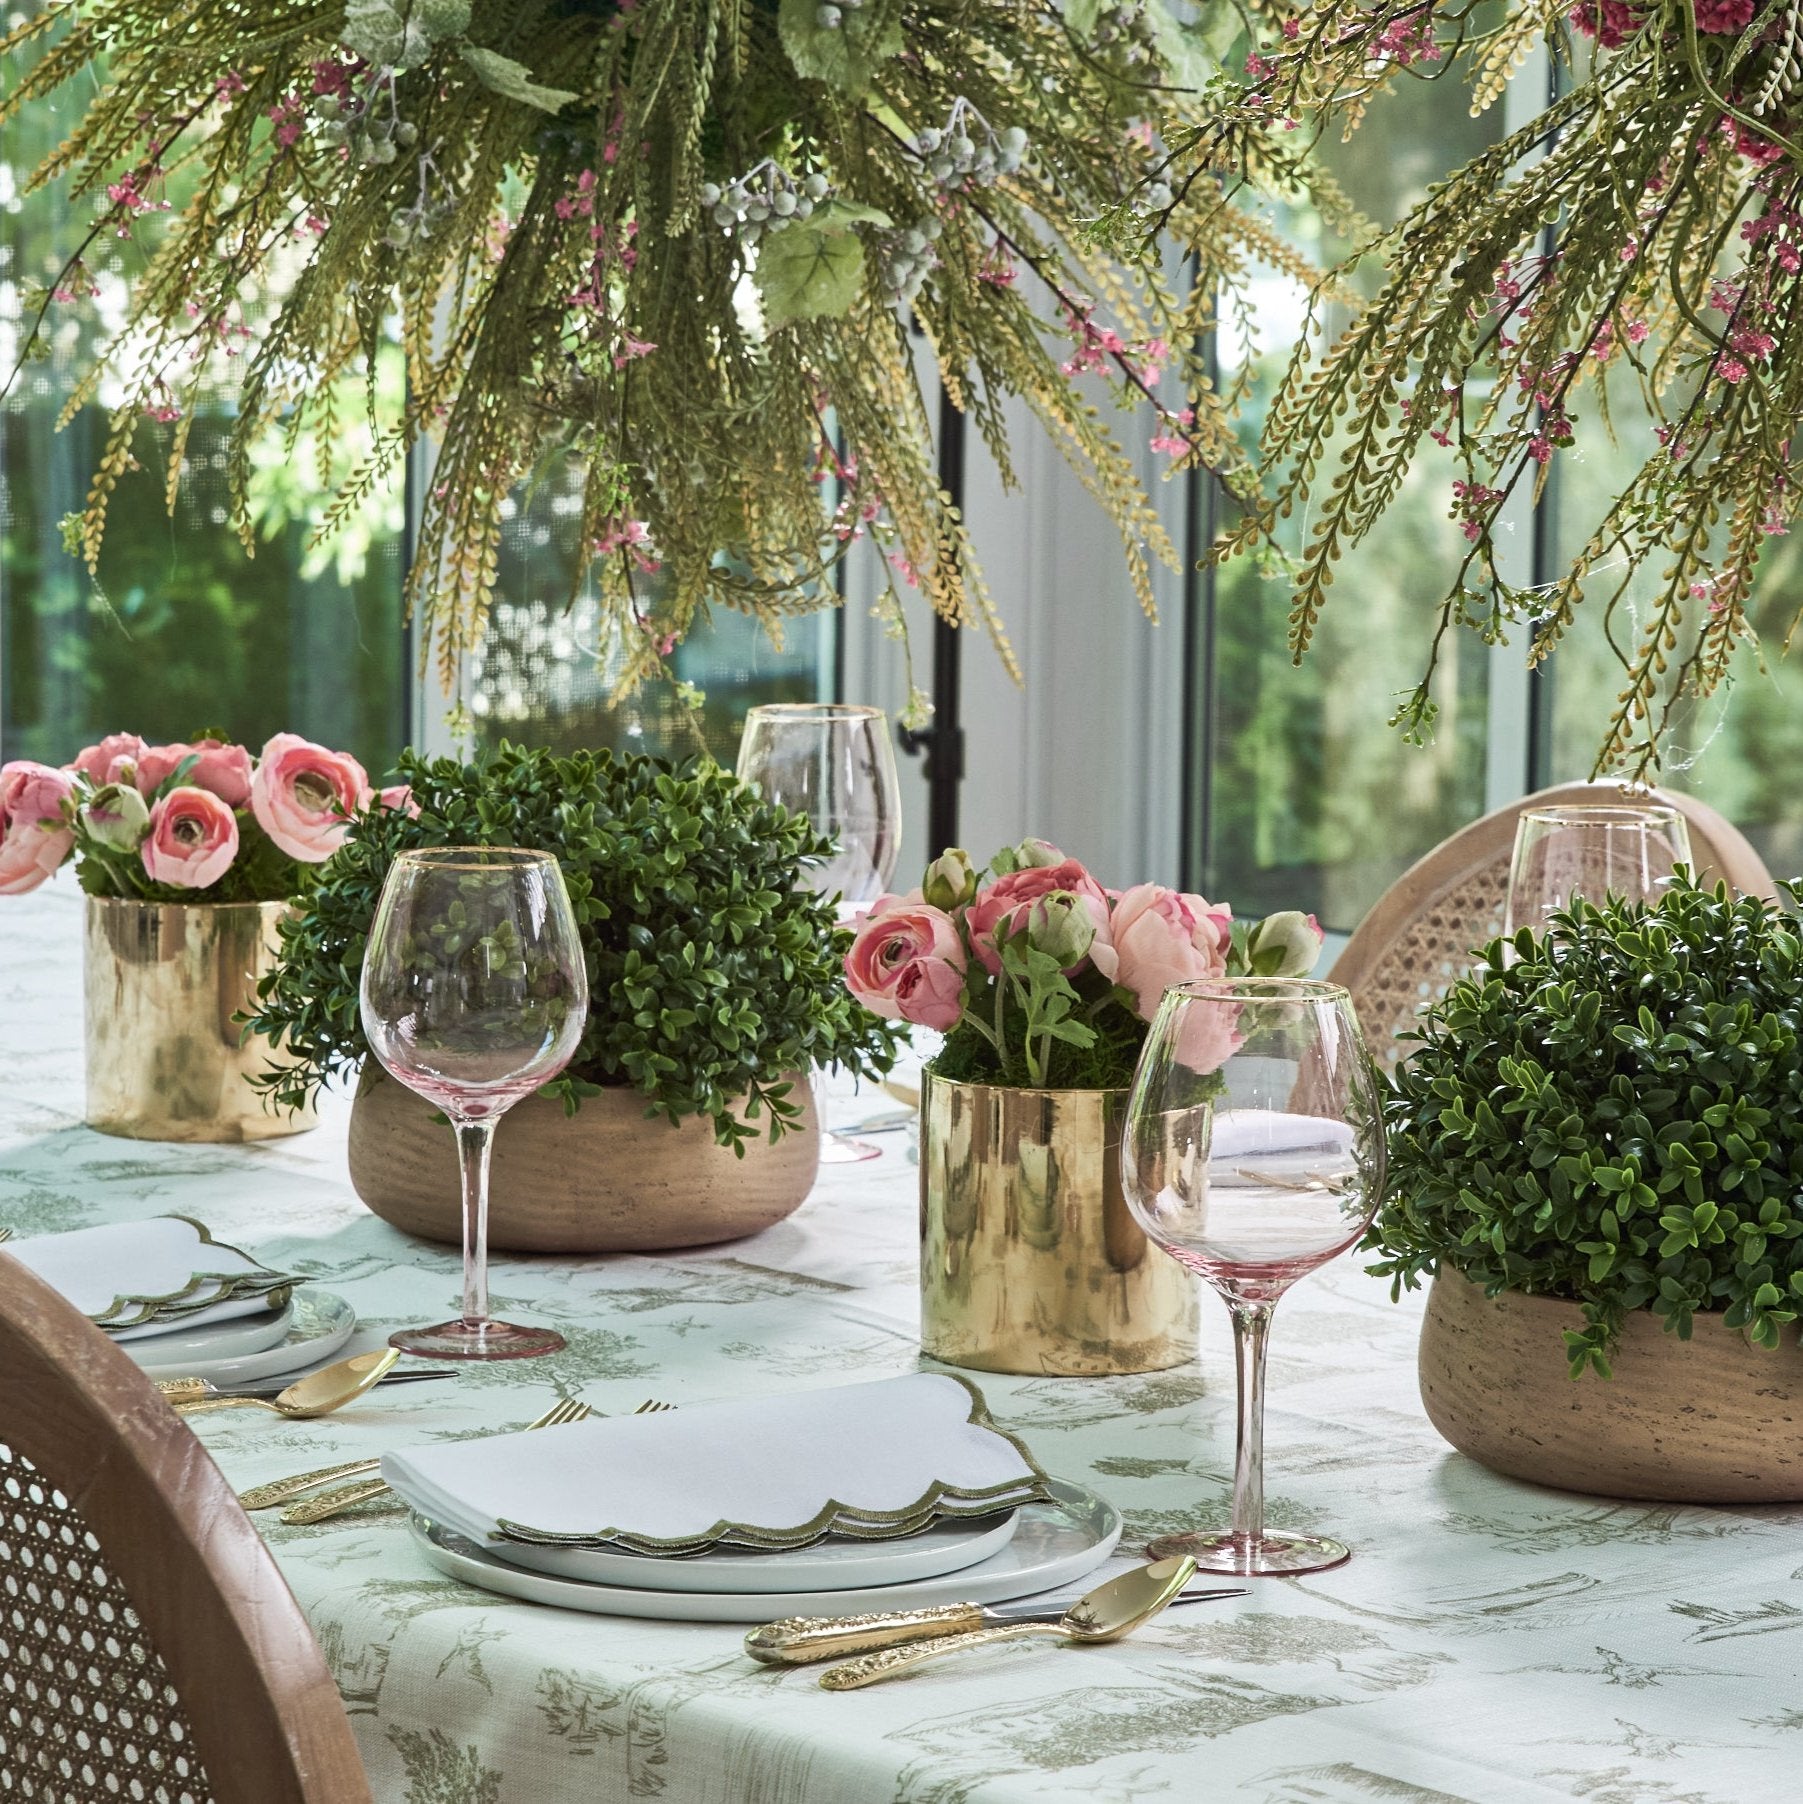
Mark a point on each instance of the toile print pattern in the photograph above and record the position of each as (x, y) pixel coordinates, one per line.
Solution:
(1489, 1642)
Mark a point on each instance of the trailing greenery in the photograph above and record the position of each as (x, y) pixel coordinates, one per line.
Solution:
(712, 977)
(1613, 1113)
(1631, 255)
(681, 243)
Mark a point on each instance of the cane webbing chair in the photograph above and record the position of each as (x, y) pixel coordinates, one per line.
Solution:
(1422, 932)
(150, 1651)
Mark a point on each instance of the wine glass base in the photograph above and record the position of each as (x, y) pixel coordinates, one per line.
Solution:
(841, 1149)
(1270, 1555)
(477, 1340)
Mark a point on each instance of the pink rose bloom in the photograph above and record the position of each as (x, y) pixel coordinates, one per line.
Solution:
(192, 841)
(99, 763)
(303, 796)
(400, 795)
(907, 964)
(1011, 898)
(222, 768)
(1160, 937)
(36, 824)
(1723, 15)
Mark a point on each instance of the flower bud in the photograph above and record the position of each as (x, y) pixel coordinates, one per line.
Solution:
(1060, 924)
(1029, 855)
(1285, 944)
(117, 816)
(951, 880)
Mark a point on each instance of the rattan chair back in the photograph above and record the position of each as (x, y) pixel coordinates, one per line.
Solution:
(149, 1648)
(1422, 932)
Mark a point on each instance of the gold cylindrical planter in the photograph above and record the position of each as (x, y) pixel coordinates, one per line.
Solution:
(1029, 1259)
(165, 1059)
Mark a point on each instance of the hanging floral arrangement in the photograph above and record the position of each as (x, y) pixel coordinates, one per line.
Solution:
(690, 243)
(1636, 246)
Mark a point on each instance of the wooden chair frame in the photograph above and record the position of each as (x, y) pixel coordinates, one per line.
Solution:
(1420, 935)
(262, 1714)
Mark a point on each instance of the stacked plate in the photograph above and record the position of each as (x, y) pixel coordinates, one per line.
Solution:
(874, 1496)
(184, 1305)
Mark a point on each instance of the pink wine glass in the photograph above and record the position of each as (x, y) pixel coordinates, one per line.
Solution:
(474, 994)
(1252, 1153)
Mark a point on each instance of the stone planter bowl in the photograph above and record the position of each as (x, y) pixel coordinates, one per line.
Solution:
(604, 1180)
(1707, 1420)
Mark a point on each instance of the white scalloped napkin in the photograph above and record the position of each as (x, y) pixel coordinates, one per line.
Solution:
(875, 1461)
(139, 1278)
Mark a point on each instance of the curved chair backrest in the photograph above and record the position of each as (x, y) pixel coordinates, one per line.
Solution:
(149, 1647)
(1422, 932)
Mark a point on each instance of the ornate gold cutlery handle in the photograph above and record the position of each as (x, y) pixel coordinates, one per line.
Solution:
(265, 1497)
(798, 1639)
(329, 1503)
(872, 1667)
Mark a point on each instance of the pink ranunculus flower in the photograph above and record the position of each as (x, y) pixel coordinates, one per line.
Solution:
(192, 841)
(1010, 899)
(37, 832)
(100, 763)
(304, 795)
(1209, 1034)
(907, 963)
(222, 768)
(400, 795)
(1159, 937)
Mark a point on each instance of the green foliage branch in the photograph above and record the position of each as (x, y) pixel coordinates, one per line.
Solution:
(550, 197)
(713, 978)
(1613, 1113)
(1634, 247)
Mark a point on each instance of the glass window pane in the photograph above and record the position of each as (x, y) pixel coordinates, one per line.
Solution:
(183, 630)
(1314, 802)
(547, 668)
(1742, 750)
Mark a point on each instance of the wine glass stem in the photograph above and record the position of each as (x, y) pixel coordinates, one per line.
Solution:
(1251, 1327)
(475, 1142)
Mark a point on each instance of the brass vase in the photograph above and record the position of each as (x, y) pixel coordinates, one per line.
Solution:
(1029, 1259)
(165, 1058)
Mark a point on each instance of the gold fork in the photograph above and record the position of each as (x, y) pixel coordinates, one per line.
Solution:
(344, 1497)
(263, 1497)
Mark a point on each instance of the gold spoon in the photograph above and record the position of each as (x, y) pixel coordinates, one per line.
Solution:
(318, 1394)
(1104, 1614)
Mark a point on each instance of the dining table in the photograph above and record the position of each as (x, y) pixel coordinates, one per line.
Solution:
(1488, 1641)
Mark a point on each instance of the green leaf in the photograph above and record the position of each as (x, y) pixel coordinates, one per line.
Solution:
(845, 56)
(502, 75)
(804, 272)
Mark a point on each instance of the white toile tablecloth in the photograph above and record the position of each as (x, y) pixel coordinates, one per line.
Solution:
(1488, 1643)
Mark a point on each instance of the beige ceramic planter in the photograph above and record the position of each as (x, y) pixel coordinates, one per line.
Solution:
(164, 985)
(1707, 1420)
(1029, 1258)
(604, 1180)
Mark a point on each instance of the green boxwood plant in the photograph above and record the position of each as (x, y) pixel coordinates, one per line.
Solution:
(711, 975)
(1613, 1113)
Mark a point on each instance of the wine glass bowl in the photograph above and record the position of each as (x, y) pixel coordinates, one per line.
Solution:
(1593, 851)
(1253, 1153)
(833, 763)
(474, 994)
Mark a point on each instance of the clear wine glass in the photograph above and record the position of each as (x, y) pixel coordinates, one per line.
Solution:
(1252, 1153)
(474, 994)
(1628, 850)
(834, 763)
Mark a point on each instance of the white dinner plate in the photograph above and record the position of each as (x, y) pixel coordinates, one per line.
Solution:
(835, 1564)
(210, 1341)
(1054, 1544)
(320, 1324)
